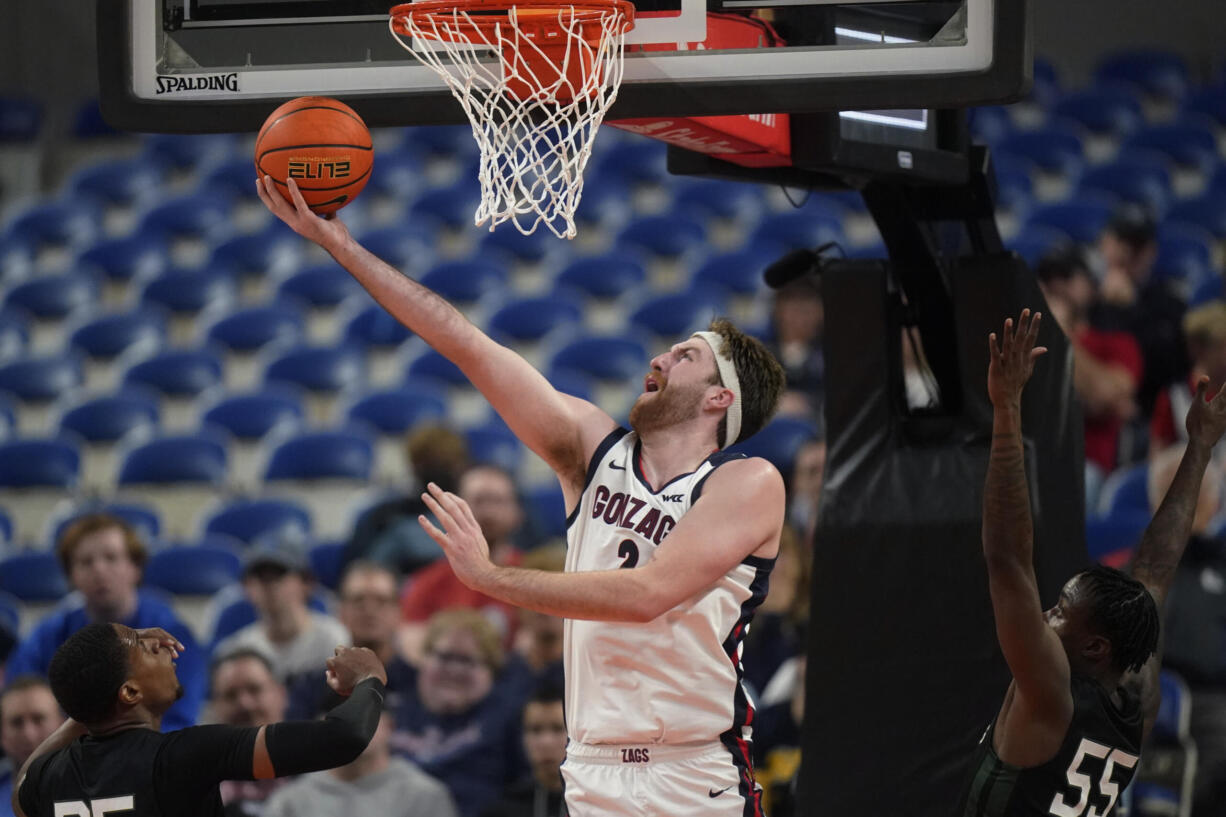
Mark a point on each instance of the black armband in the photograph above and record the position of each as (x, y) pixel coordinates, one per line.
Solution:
(296, 747)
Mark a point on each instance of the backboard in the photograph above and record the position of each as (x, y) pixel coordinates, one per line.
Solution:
(221, 65)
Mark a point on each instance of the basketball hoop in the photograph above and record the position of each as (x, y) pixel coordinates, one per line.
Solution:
(535, 78)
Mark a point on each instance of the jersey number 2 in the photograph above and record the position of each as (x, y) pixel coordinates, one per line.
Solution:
(628, 551)
(1060, 807)
(94, 808)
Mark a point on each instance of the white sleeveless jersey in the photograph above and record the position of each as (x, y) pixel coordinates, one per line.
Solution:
(676, 679)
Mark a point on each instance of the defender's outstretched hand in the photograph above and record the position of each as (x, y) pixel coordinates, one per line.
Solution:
(461, 538)
(1207, 417)
(327, 232)
(350, 666)
(1012, 357)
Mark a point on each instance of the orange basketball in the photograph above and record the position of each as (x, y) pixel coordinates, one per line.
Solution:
(322, 144)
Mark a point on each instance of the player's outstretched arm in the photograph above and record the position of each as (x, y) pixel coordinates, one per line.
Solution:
(740, 513)
(561, 429)
(1167, 535)
(1032, 650)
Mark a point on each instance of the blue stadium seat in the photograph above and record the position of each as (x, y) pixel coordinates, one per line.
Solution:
(252, 328)
(199, 569)
(36, 379)
(605, 201)
(1014, 182)
(374, 326)
(798, 229)
(990, 123)
(1082, 219)
(109, 418)
(1142, 179)
(6, 528)
(665, 236)
(204, 216)
(1175, 711)
(70, 224)
(246, 520)
(1125, 490)
(89, 123)
(1185, 253)
(678, 314)
(710, 198)
(233, 178)
(1207, 211)
(435, 368)
(252, 415)
(182, 151)
(574, 383)
(636, 161)
(1190, 141)
(111, 335)
(327, 563)
(1209, 289)
(51, 297)
(396, 174)
(1159, 73)
(322, 455)
(494, 444)
(121, 182)
(1035, 241)
(1109, 539)
(33, 576)
(448, 207)
(323, 285)
(136, 257)
(1056, 148)
(603, 276)
(464, 282)
(395, 411)
(14, 335)
(39, 463)
(143, 519)
(1209, 101)
(529, 319)
(1046, 88)
(190, 291)
(184, 458)
(407, 245)
(1111, 109)
(177, 373)
(319, 368)
(8, 418)
(439, 141)
(512, 246)
(257, 253)
(604, 358)
(21, 118)
(779, 441)
(547, 507)
(735, 272)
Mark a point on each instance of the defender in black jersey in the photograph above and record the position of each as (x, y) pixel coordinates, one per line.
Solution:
(109, 757)
(1085, 673)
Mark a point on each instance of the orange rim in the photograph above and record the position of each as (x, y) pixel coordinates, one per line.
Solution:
(538, 17)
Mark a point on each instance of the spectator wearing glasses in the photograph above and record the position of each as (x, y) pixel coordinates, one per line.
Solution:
(451, 722)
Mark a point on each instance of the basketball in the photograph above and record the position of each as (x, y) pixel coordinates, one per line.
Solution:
(322, 144)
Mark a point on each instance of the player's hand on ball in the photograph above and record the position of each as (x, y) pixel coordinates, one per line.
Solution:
(327, 232)
(350, 666)
(1011, 358)
(461, 538)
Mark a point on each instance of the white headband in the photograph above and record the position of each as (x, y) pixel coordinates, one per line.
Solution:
(727, 373)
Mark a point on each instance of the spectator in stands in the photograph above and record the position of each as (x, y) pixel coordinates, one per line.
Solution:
(452, 723)
(805, 488)
(245, 691)
(1132, 300)
(1107, 365)
(388, 533)
(1205, 330)
(798, 318)
(539, 794)
(1193, 645)
(102, 556)
(277, 580)
(28, 716)
(490, 492)
(368, 608)
(374, 784)
(538, 638)
(777, 739)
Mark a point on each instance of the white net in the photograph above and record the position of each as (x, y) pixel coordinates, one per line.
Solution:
(535, 83)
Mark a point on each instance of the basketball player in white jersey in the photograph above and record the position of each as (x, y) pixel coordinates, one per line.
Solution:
(670, 545)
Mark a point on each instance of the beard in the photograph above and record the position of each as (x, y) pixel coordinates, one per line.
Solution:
(178, 691)
(654, 411)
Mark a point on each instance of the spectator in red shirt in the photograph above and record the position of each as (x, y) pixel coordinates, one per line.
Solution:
(1107, 365)
(491, 493)
(1205, 330)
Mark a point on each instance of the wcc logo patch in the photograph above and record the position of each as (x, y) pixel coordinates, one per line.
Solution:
(319, 167)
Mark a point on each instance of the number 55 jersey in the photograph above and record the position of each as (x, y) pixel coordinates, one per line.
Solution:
(1095, 763)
